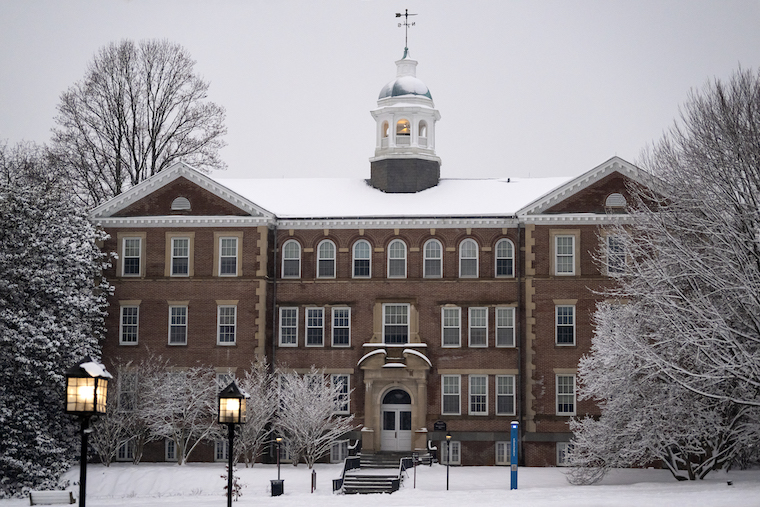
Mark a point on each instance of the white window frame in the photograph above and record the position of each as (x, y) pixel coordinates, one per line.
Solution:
(470, 257)
(505, 391)
(505, 326)
(280, 327)
(447, 323)
(339, 451)
(343, 402)
(124, 255)
(338, 319)
(183, 325)
(564, 255)
(175, 256)
(170, 450)
(221, 309)
(221, 448)
(456, 452)
(126, 451)
(314, 319)
(562, 396)
(355, 259)
(561, 322)
(615, 255)
(222, 257)
(392, 252)
(562, 449)
(123, 326)
(479, 398)
(503, 450)
(471, 326)
(499, 257)
(296, 260)
(386, 306)
(323, 258)
(453, 390)
(430, 259)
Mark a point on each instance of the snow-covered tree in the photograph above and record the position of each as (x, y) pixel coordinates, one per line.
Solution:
(181, 405)
(111, 430)
(260, 407)
(52, 306)
(306, 416)
(139, 108)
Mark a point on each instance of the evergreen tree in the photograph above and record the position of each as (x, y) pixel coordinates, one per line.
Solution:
(52, 305)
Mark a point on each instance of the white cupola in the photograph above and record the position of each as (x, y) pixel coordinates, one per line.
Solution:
(405, 159)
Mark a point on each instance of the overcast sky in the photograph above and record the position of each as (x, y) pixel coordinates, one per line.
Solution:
(524, 88)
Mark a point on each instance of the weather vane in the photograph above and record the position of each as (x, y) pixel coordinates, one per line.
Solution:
(406, 26)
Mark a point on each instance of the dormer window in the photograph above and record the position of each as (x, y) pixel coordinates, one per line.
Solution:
(180, 204)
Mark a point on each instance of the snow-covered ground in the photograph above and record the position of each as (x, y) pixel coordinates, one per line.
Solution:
(201, 485)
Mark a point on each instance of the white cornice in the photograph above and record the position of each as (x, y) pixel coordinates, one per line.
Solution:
(183, 221)
(396, 223)
(576, 218)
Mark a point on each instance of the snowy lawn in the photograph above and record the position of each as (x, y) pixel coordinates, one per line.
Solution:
(200, 485)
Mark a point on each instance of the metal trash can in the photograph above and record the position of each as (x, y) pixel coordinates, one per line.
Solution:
(278, 487)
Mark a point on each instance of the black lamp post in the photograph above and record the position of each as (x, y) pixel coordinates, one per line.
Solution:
(231, 412)
(448, 458)
(279, 442)
(277, 486)
(86, 395)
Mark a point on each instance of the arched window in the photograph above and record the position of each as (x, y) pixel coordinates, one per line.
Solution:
(362, 259)
(291, 259)
(384, 130)
(468, 259)
(326, 259)
(505, 258)
(433, 262)
(403, 128)
(615, 201)
(180, 204)
(397, 259)
(422, 129)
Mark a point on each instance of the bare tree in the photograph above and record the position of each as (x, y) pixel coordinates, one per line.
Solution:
(260, 408)
(306, 416)
(140, 108)
(111, 430)
(181, 405)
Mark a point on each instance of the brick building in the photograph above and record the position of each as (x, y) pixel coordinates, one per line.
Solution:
(463, 304)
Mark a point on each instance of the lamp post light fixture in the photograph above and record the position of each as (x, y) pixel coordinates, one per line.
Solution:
(277, 486)
(448, 457)
(86, 395)
(231, 412)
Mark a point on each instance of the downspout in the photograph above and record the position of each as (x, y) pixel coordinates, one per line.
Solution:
(521, 340)
(274, 300)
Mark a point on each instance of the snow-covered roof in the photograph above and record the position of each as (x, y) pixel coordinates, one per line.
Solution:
(354, 198)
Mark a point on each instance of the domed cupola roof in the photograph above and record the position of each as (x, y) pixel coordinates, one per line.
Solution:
(406, 82)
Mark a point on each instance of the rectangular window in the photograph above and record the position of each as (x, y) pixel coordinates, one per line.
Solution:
(565, 394)
(228, 252)
(505, 395)
(342, 403)
(565, 324)
(227, 324)
(341, 327)
(451, 319)
(565, 255)
(395, 323)
(339, 451)
(503, 453)
(129, 325)
(315, 327)
(615, 255)
(177, 325)
(170, 450)
(478, 324)
(180, 256)
(505, 327)
(127, 386)
(450, 392)
(478, 394)
(563, 448)
(220, 450)
(131, 256)
(126, 451)
(288, 327)
(451, 453)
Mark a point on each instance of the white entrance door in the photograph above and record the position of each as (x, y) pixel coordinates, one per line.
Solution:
(397, 428)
